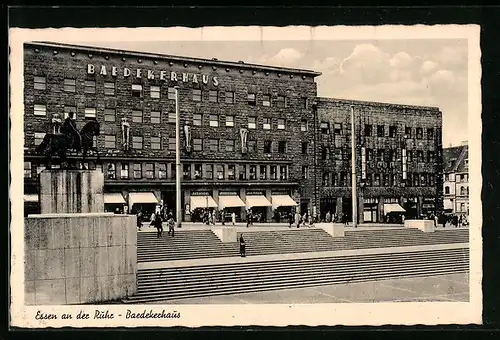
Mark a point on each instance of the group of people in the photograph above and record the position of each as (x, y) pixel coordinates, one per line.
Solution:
(156, 220)
(297, 219)
(210, 217)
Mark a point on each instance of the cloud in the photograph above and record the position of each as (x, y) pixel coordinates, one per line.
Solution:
(285, 57)
(428, 67)
(452, 57)
(401, 60)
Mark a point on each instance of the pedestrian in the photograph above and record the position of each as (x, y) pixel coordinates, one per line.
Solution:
(403, 218)
(435, 221)
(171, 224)
(297, 219)
(222, 217)
(304, 219)
(139, 222)
(328, 217)
(310, 220)
(460, 221)
(242, 246)
(290, 219)
(233, 218)
(158, 223)
(249, 218)
(152, 220)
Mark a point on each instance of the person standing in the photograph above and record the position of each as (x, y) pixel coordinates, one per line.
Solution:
(242, 246)
(304, 219)
(328, 217)
(171, 224)
(290, 219)
(158, 223)
(139, 220)
(233, 218)
(297, 219)
(152, 219)
(249, 218)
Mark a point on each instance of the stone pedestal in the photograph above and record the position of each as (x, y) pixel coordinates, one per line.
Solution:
(71, 191)
(334, 229)
(427, 226)
(226, 235)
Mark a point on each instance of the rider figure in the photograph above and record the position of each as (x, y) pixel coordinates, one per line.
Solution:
(69, 125)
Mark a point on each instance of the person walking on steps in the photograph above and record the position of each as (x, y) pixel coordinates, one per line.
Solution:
(233, 218)
(290, 220)
(158, 224)
(242, 246)
(171, 224)
(152, 220)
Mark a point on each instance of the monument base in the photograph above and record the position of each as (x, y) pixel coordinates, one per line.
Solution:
(79, 258)
(427, 226)
(334, 229)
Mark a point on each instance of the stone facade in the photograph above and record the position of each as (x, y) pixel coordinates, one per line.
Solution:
(456, 179)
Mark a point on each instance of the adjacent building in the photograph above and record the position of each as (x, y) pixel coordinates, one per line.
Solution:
(252, 136)
(456, 179)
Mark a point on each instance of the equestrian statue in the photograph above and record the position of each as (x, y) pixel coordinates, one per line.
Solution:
(67, 137)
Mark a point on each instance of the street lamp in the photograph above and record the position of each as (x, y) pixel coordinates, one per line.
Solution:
(353, 175)
(177, 159)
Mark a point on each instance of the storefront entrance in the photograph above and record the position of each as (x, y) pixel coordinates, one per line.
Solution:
(327, 205)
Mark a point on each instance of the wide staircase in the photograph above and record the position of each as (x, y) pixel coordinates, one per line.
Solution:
(162, 284)
(196, 244)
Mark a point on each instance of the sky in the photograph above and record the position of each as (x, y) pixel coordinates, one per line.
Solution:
(414, 72)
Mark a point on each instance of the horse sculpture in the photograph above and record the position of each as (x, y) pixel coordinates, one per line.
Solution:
(67, 139)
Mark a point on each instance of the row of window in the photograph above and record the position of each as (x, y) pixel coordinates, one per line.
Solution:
(462, 178)
(155, 91)
(376, 180)
(381, 131)
(463, 190)
(379, 155)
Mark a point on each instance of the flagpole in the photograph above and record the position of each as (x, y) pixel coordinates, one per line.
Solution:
(353, 167)
(177, 160)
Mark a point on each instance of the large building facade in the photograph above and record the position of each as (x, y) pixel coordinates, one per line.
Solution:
(251, 136)
(456, 180)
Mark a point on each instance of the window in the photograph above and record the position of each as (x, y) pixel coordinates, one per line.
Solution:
(253, 172)
(304, 103)
(409, 155)
(462, 207)
(252, 146)
(369, 155)
(430, 156)
(124, 171)
(162, 171)
(462, 191)
(326, 177)
(243, 172)
(197, 144)
(171, 93)
(431, 180)
(416, 180)
(90, 86)
(266, 123)
(197, 171)
(263, 172)
(229, 120)
(338, 154)
(252, 122)
(281, 101)
(173, 171)
(109, 88)
(420, 156)
(305, 172)
(156, 143)
(39, 83)
(231, 170)
(137, 116)
(423, 180)
(368, 130)
(305, 147)
(386, 180)
(213, 145)
(136, 90)
(68, 109)
(380, 155)
(40, 110)
(214, 120)
(213, 96)
(430, 133)
(380, 131)
(281, 124)
(337, 127)
(303, 125)
(137, 170)
(272, 172)
(27, 169)
(155, 91)
(197, 95)
(376, 180)
(209, 171)
(268, 146)
(220, 171)
(420, 133)
(324, 152)
(283, 172)
(186, 171)
(69, 85)
(109, 115)
(266, 100)
(229, 97)
(110, 141)
(393, 131)
(155, 117)
(111, 172)
(136, 142)
(171, 143)
(150, 170)
(90, 112)
(408, 131)
(197, 117)
(230, 145)
(251, 99)
(325, 127)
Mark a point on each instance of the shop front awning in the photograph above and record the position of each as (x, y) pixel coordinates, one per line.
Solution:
(141, 197)
(230, 201)
(114, 198)
(257, 201)
(392, 208)
(202, 202)
(31, 198)
(282, 201)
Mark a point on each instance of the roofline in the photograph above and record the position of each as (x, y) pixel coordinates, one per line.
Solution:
(364, 102)
(174, 57)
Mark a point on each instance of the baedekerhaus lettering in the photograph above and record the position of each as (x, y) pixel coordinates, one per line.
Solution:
(103, 70)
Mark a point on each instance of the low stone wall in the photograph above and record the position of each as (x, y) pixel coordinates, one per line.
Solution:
(79, 258)
(427, 226)
(334, 229)
(226, 235)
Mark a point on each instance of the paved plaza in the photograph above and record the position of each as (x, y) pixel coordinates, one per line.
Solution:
(451, 288)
